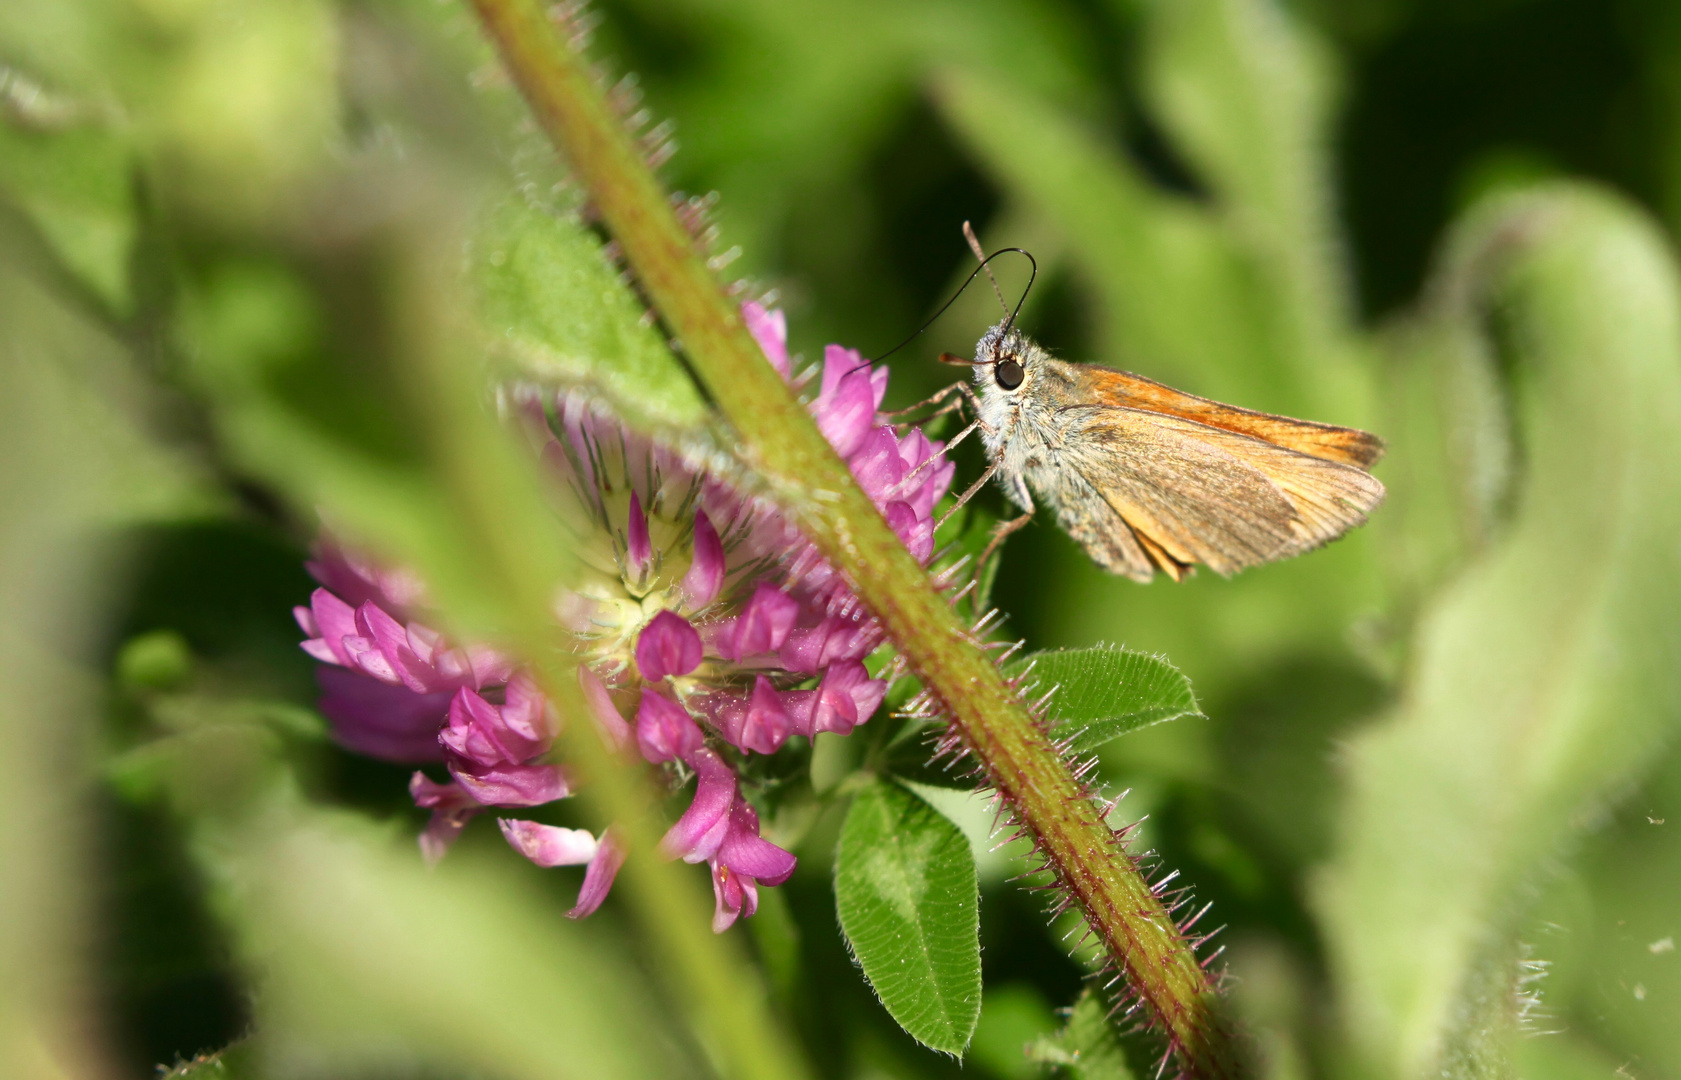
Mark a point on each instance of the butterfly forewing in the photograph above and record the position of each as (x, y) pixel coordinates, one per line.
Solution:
(1106, 386)
(1192, 493)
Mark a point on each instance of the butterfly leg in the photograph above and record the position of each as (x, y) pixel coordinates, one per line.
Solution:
(968, 494)
(999, 533)
(943, 398)
(937, 456)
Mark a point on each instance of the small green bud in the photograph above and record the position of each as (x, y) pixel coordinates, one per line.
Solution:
(156, 660)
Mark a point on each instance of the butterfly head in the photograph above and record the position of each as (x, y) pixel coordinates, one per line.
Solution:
(1005, 359)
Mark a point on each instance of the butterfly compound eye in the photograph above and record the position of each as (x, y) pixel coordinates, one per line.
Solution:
(1008, 372)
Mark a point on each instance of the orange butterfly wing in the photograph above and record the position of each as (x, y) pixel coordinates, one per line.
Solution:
(1347, 446)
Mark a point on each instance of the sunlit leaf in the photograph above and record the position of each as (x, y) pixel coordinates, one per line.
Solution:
(1104, 692)
(905, 888)
(1549, 672)
(553, 306)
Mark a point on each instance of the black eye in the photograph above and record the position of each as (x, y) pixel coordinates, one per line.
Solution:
(1008, 372)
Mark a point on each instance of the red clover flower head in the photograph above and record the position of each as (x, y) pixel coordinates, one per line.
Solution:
(704, 623)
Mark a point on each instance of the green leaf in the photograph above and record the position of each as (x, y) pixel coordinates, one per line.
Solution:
(1244, 93)
(368, 961)
(555, 310)
(303, 388)
(909, 906)
(1086, 1048)
(76, 186)
(1548, 674)
(235, 1062)
(1107, 691)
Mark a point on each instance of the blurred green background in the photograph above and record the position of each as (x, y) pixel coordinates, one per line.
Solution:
(1435, 797)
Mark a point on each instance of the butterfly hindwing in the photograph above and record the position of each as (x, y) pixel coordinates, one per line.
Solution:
(1193, 493)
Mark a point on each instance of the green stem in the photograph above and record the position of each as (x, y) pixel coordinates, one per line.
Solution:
(780, 441)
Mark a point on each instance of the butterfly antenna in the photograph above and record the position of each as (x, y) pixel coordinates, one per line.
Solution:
(966, 283)
(1032, 274)
(980, 253)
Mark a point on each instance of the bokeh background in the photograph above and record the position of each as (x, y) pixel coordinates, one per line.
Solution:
(1435, 797)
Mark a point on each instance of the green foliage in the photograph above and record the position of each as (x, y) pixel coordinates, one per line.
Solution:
(1548, 674)
(232, 1063)
(81, 464)
(337, 915)
(555, 311)
(905, 890)
(1086, 1048)
(1236, 297)
(1013, 1017)
(1245, 93)
(75, 182)
(1170, 280)
(231, 258)
(1105, 692)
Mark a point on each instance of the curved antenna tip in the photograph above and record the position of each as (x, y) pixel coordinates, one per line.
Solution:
(1008, 323)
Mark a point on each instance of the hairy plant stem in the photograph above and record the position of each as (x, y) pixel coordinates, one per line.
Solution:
(779, 439)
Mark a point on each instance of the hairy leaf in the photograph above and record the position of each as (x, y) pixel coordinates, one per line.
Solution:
(1086, 1048)
(235, 1062)
(1549, 672)
(905, 888)
(1105, 692)
(557, 311)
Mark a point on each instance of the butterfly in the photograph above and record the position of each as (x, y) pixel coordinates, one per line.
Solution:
(1148, 478)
